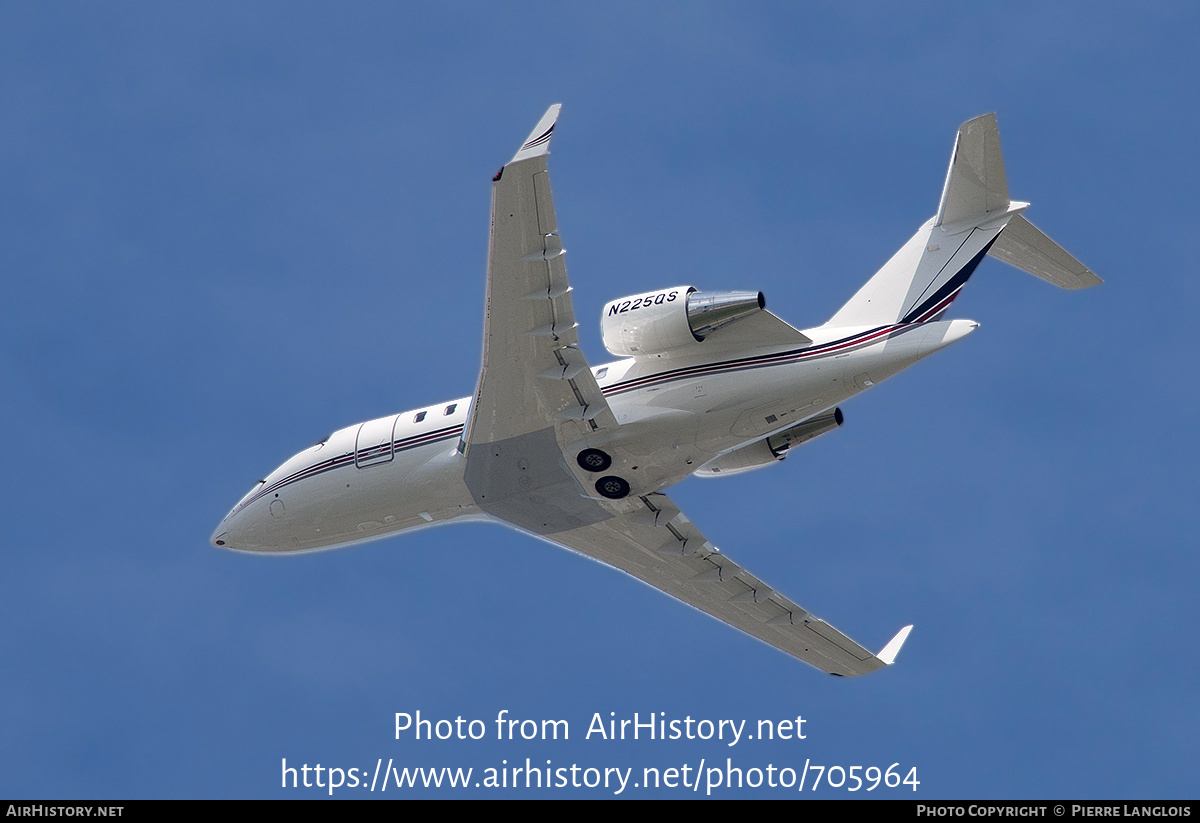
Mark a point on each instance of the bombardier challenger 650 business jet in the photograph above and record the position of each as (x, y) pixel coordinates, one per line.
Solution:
(711, 384)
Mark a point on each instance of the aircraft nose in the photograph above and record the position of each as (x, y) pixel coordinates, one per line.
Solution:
(248, 529)
(229, 534)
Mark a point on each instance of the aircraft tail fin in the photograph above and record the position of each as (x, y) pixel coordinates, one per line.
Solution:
(975, 182)
(975, 217)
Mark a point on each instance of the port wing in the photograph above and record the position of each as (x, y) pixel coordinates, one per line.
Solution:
(649, 538)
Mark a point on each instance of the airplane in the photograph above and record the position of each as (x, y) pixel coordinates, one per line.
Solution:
(709, 384)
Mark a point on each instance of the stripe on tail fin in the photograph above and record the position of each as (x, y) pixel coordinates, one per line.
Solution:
(921, 279)
(931, 307)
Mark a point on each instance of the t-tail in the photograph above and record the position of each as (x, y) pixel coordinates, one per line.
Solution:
(975, 218)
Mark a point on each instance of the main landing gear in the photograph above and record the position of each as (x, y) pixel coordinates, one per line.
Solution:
(614, 488)
(610, 486)
(593, 460)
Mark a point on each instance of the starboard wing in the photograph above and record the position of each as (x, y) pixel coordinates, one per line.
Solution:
(534, 375)
(537, 397)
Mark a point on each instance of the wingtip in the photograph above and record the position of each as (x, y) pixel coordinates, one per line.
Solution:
(888, 655)
(538, 142)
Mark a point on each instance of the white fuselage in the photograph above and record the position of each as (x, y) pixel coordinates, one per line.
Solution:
(406, 471)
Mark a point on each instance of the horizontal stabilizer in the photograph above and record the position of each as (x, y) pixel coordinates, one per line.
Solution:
(1023, 245)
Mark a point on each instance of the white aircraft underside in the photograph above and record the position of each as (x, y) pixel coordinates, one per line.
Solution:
(714, 384)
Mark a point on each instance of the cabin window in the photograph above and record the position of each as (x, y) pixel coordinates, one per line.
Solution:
(420, 416)
(450, 409)
(601, 372)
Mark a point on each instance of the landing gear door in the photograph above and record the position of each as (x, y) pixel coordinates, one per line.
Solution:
(374, 444)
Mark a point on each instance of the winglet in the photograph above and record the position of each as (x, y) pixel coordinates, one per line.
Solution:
(888, 655)
(538, 142)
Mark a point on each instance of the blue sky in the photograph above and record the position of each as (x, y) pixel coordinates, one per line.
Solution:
(228, 229)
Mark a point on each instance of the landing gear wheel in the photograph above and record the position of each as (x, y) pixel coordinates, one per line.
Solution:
(593, 460)
(614, 488)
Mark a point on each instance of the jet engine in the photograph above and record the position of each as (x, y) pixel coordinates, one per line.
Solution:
(770, 449)
(667, 319)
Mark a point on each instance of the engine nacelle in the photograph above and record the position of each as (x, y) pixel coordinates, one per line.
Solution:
(755, 455)
(770, 449)
(659, 321)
